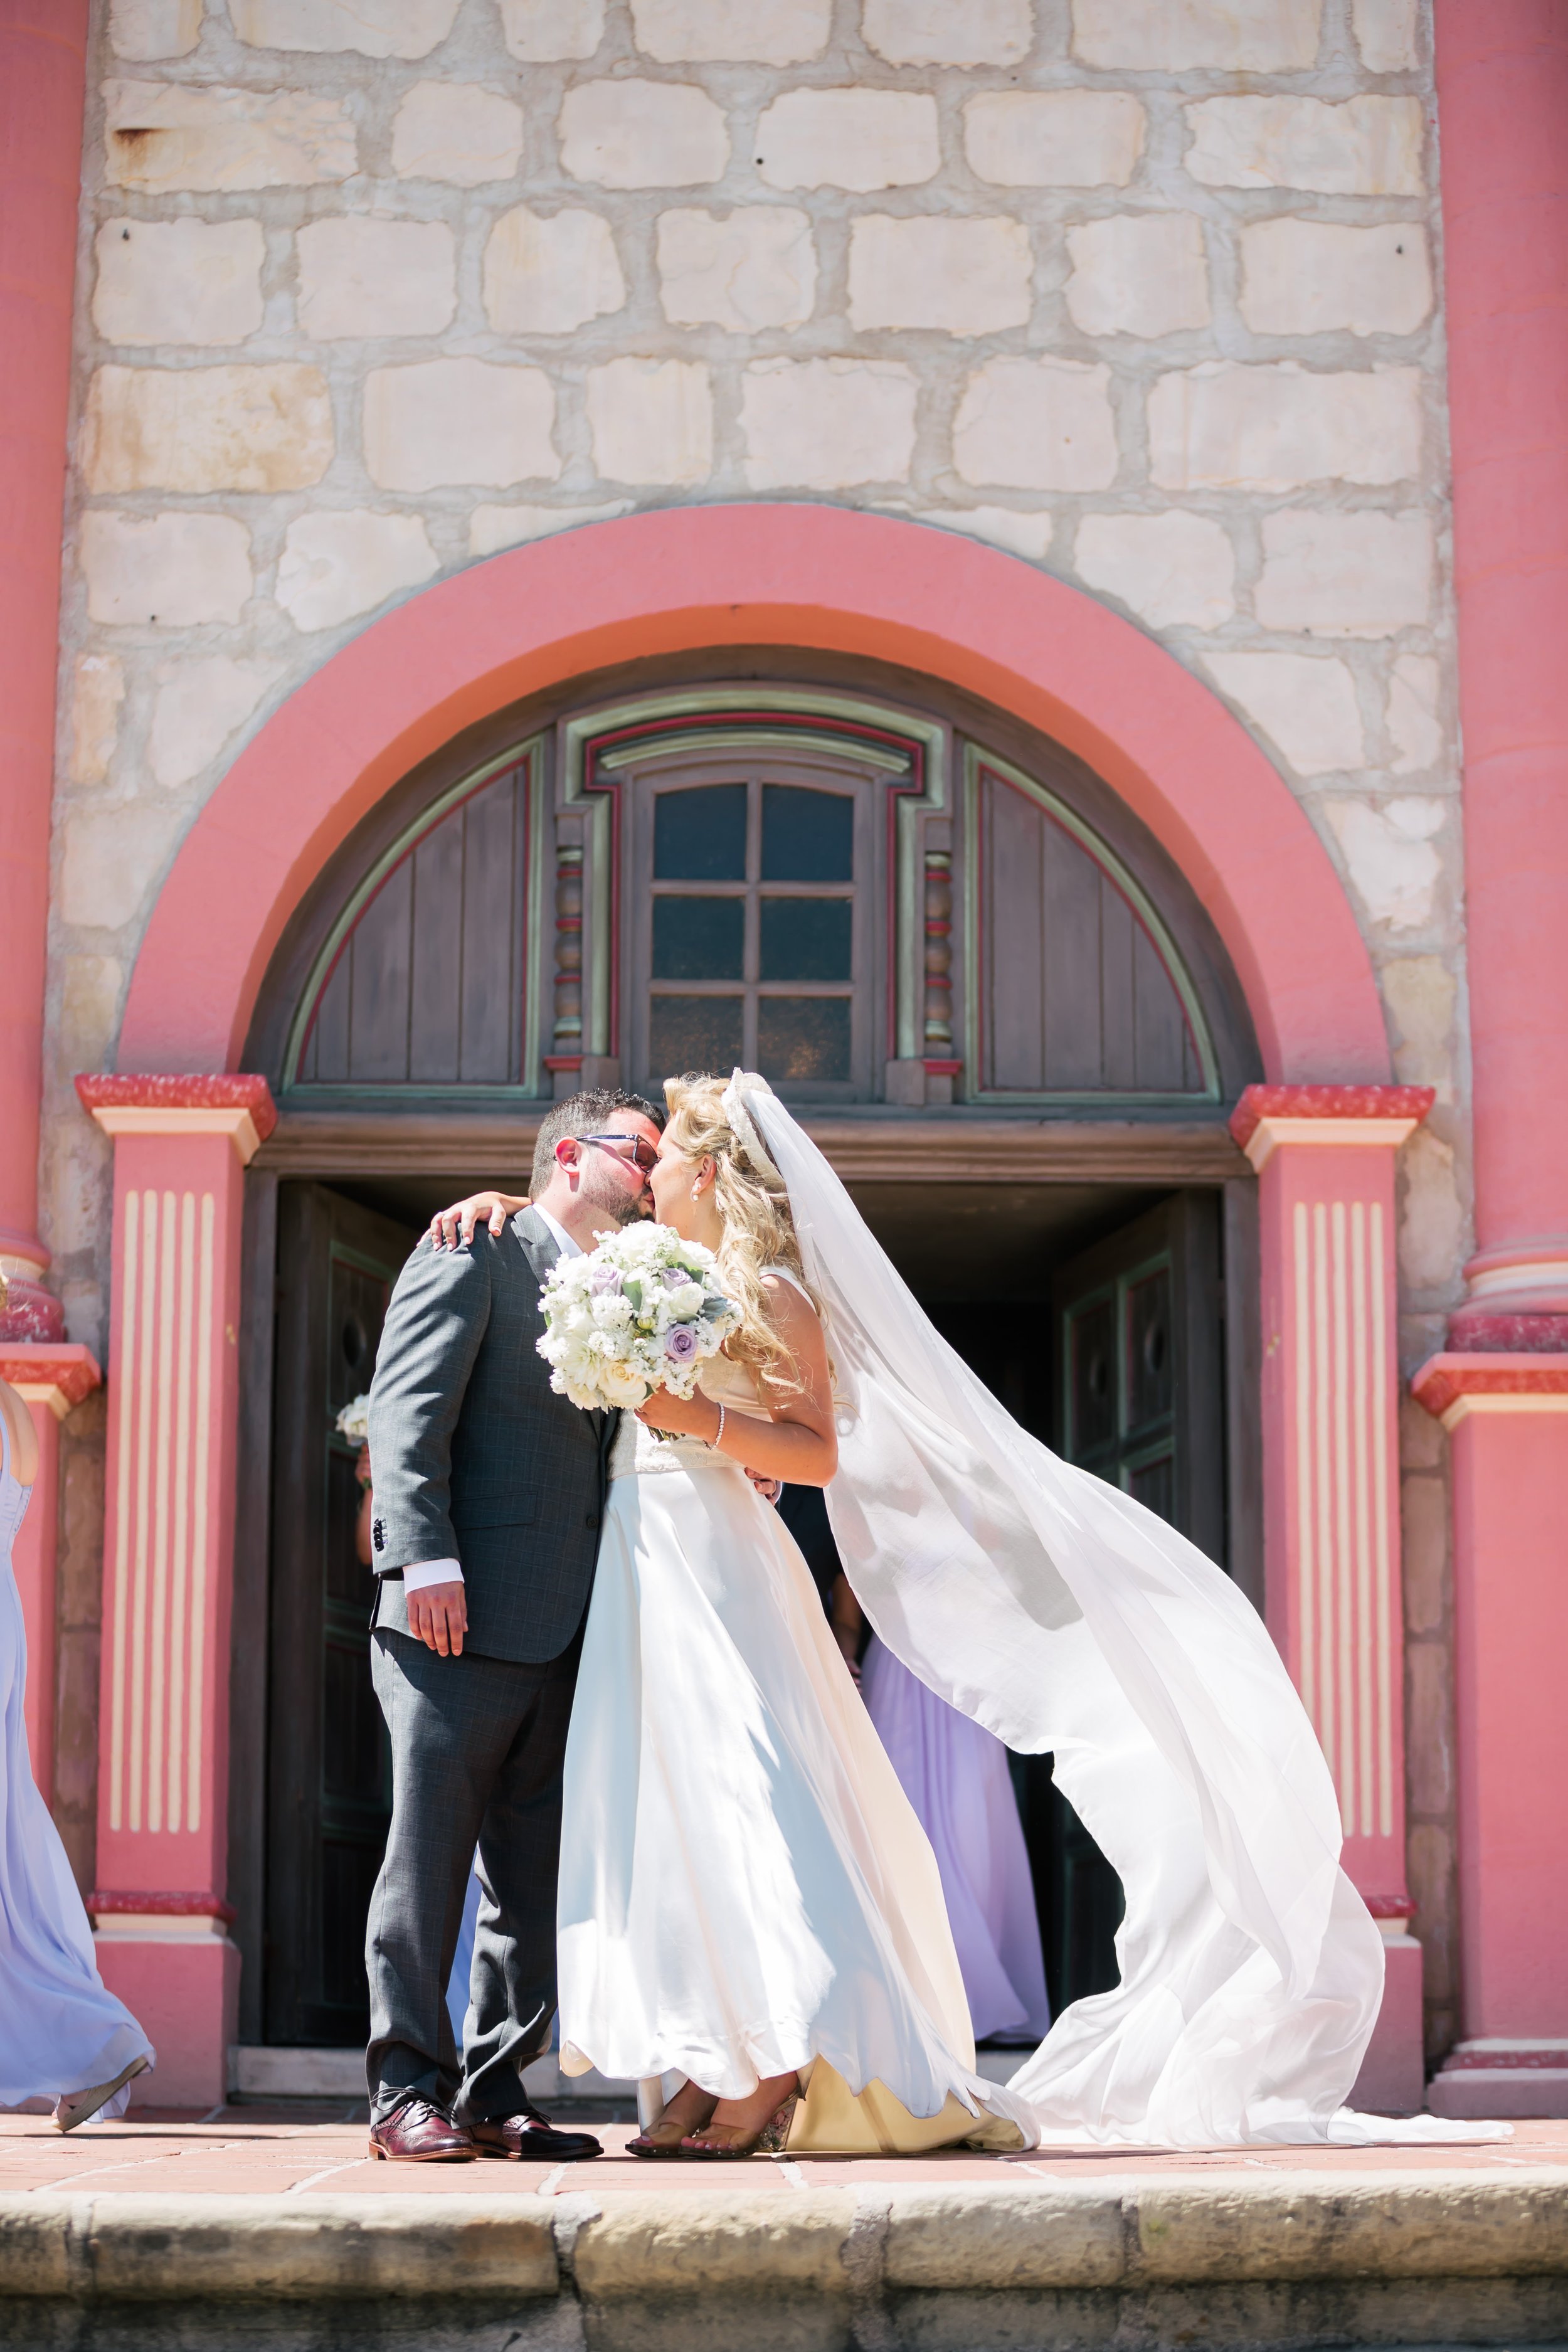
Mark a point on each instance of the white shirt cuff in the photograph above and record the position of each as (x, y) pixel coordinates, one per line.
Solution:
(431, 1571)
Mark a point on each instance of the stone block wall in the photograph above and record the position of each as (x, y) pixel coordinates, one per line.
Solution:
(1143, 290)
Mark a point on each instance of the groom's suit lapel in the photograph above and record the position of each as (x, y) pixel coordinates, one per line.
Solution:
(538, 1244)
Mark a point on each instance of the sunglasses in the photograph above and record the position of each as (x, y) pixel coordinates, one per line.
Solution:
(635, 1148)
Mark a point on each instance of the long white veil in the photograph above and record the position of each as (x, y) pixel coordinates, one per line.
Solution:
(1065, 1616)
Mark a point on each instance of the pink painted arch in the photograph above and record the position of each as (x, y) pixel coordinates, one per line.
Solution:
(798, 575)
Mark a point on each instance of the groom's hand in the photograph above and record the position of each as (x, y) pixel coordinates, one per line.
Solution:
(439, 1615)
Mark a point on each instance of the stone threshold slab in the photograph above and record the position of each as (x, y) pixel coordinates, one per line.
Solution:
(1428, 2257)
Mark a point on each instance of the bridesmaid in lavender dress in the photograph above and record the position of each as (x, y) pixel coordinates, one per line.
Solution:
(956, 1776)
(62, 2035)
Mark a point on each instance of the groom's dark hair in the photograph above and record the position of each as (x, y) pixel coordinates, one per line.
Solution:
(583, 1114)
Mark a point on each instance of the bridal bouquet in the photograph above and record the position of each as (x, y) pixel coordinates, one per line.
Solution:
(354, 1422)
(642, 1311)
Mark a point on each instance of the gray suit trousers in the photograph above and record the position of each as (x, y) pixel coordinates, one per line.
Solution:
(478, 1745)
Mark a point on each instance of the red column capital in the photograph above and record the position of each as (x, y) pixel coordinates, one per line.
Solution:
(234, 1103)
(1265, 1116)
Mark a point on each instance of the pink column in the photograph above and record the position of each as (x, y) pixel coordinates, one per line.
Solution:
(43, 45)
(1507, 1415)
(1502, 86)
(1325, 1158)
(52, 1378)
(180, 1146)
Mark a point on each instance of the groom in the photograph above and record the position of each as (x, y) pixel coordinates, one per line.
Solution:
(490, 1490)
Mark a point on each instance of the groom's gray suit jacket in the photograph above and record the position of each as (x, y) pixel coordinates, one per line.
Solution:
(473, 1455)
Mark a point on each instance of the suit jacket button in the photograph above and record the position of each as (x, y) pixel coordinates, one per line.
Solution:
(592, 1519)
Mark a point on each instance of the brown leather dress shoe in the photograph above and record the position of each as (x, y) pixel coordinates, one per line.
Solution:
(415, 2132)
(532, 2137)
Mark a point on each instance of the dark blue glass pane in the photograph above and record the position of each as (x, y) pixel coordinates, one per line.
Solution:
(700, 836)
(698, 939)
(693, 1033)
(808, 836)
(802, 1038)
(807, 938)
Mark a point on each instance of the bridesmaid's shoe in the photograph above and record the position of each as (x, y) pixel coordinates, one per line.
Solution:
(769, 2140)
(75, 2107)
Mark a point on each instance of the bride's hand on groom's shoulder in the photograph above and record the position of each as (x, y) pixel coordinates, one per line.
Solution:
(451, 1227)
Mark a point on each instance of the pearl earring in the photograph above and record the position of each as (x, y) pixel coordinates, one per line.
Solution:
(697, 1191)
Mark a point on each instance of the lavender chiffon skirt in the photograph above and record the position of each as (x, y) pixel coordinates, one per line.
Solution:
(955, 1775)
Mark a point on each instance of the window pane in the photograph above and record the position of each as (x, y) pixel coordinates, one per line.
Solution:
(693, 1033)
(700, 938)
(807, 938)
(802, 1037)
(808, 836)
(700, 836)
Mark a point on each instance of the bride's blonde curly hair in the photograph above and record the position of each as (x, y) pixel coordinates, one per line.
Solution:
(759, 1231)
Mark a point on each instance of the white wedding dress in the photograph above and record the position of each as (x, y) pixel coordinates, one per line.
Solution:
(743, 1887)
(61, 2030)
(745, 1890)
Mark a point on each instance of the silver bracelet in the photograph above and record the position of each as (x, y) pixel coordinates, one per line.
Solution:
(717, 1440)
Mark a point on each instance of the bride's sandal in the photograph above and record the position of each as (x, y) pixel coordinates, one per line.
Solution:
(666, 2135)
(659, 2139)
(768, 2140)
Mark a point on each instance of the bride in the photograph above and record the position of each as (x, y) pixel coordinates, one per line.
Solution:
(751, 1921)
(747, 1900)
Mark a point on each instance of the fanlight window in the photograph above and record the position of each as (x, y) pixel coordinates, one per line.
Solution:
(751, 922)
(827, 889)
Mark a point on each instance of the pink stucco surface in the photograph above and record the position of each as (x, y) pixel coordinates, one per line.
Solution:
(785, 574)
(1510, 1634)
(43, 48)
(1502, 86)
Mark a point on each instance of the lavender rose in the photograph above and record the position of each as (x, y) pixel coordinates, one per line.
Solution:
(603, 1279)
(681, 1343)
(674, 1277)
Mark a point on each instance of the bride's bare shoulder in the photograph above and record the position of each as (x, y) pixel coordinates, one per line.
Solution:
(791, 1311)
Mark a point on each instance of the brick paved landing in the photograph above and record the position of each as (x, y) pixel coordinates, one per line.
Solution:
(321, 2149)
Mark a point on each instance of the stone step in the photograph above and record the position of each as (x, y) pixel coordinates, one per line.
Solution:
(1406, 2256)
